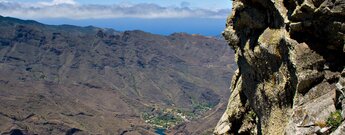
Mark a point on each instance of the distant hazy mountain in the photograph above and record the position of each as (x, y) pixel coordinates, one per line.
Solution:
(67, 79)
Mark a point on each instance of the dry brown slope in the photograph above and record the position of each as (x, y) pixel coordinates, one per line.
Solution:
(59, 79)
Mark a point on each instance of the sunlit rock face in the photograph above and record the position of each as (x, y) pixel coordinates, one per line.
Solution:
(290, 55)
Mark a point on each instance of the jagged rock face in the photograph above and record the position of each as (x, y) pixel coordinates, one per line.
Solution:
(289, 54)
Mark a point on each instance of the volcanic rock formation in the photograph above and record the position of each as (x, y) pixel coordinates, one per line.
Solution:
(290, 79)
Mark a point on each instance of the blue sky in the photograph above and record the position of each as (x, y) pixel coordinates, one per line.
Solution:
(206, 17)
(193, 3)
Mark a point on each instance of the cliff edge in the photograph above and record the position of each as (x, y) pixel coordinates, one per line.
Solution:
(291, 75)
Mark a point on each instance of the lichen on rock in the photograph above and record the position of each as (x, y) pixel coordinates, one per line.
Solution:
(289, 54)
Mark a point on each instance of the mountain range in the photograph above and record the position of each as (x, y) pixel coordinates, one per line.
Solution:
(63, 79)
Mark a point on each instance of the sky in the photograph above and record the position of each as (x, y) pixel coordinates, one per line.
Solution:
(205, 17)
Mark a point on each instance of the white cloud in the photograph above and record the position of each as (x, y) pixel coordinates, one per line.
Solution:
(64, 2)
(72, 10)
(58, 2)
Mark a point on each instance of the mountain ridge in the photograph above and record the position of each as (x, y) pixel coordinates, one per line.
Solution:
(59, 79)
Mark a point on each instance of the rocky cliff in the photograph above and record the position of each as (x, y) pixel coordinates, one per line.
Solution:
(291, 73)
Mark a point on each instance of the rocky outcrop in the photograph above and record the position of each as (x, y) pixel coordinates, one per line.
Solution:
(291, 69)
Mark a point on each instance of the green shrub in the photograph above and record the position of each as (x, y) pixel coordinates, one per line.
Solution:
(334, 120)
